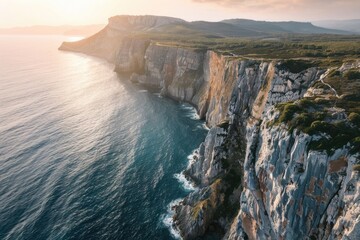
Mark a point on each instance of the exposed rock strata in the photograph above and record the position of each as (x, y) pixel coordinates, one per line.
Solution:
(293, 193)
(130, 56)
(204, 79)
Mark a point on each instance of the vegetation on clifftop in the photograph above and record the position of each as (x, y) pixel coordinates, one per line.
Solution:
(346, 83)
(315, 117)
(331, 49)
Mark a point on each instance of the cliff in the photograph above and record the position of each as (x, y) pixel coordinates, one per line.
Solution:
(293, 193)
(281, 160)
(203, 78)
(105, 44)
(286, 190)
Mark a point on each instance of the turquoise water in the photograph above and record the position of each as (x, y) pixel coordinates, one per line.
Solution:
(84, 154)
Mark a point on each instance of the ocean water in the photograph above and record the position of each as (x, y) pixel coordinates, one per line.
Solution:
(84, 154)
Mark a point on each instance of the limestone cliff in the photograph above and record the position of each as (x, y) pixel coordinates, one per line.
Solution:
(293, 193)
(106, 43)
(103, 44)
(233, 155)
(290, 190)
(177, 72)
(257, 177)
(130, 56)
(204, 79)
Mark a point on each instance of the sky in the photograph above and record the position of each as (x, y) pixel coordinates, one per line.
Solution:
(82, 12)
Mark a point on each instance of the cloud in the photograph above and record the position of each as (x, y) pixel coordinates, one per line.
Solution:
(299, 9)
(262, 2)
(259, 4)
(280, 3)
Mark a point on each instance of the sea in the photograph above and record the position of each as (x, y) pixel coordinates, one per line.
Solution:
(84, 153)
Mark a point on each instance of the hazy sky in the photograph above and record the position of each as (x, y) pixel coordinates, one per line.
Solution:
(75, 12)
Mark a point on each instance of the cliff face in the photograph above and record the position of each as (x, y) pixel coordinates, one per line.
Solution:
(255, 179)
(204, 79)
(178, 72)
(130, 56)
(285, 189)
(103, 44)
(293, 193)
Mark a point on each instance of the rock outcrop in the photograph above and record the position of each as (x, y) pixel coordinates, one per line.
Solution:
(256, 179)
(106, 43)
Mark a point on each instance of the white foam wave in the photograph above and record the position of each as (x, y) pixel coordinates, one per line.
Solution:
(204, 126)
(186, 184)
(191, 111)
(167, 218)
(168, 221)
(186, 106)
(194, 115)
(143, 91)
(193, 156)
(158, 95)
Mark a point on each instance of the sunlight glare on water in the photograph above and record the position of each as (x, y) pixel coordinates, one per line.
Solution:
(84, 154)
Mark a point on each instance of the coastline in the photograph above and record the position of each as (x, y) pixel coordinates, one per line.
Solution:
(238, 98)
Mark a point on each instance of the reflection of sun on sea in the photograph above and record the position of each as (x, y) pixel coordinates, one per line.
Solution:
(75, 13)
(73, 38)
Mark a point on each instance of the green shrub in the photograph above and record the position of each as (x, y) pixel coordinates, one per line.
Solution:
(306, 103)
(289, 110)
(319, 127)
(340, 140)
(352, 75)
(334, 73)
(355, 145)
(343, 127)
(356, 140)
(329, 144)
(354, 118)
(320, 145)
(319, 115)
(301, 121)
(296, 66)
(340, 135)
(351, 97)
